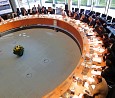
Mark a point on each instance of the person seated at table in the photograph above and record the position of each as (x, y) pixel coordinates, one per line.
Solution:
(101, 31)
(63, 12)
(97, 23)
(91, 21)
(70, 14)
(76, 16)
(112, 46)
(106, 40)
(1, 19)
(109, 73)
(43, 10)
(34, 10)
(39, 9)
(83, 18)
(101, 87)
(50, 10)
(110, 55)
(18, 12)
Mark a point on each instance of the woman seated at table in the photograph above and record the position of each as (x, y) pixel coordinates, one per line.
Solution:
(43, 11)
(101, 87)
(70, 14)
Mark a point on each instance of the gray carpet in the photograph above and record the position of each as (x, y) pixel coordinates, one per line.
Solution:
(48, 59)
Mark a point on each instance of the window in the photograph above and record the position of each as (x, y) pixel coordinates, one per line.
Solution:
(85, 4)
(112, 9)
(60, 1)
(49, 1)
(99, 6)
(75, 2)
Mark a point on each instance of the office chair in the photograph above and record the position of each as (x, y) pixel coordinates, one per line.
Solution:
(82, 11)
(91, 13)
(72, 9)
(113, 20)
(97, 14)
(76, 9)
(109, 18)
(104, 16)
(87, 12)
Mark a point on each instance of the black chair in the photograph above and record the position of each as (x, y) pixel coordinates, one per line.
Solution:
(109, 18)
(104, 16)
(87, 12)
(82, 11)
(76, 9)
(72, 9)
(113, 20)
(97, 14)
(91, 13)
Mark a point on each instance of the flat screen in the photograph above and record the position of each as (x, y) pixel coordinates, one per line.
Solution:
(5, 7)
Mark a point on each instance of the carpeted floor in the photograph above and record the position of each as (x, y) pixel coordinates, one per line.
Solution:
(48, 59)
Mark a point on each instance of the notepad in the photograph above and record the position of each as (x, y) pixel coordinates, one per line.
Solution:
(97, 59)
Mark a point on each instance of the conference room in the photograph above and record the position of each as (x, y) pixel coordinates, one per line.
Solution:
(82, 49)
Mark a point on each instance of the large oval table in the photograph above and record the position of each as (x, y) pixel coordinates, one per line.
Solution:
(54, 21)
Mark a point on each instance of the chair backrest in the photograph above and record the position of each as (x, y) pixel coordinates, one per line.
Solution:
(76, 9)
(82, 11)
(91, 13)
(113, 20)
(109, 18)
(97, 14)
(87, 12)
(103, 15)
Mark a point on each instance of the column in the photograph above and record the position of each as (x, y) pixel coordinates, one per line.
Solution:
(13, 4)
(69, 4)
(107, 6)
(92, 5)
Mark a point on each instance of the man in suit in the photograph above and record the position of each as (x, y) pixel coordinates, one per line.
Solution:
(101, 87)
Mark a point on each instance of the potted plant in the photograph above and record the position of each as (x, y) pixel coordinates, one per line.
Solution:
(18, 50)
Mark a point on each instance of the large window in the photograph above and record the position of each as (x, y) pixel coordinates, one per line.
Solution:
(111, 11)
(60, 1)
(112, 4)
(85, 4)
(48, 1)
(75, 2)
(99, 6)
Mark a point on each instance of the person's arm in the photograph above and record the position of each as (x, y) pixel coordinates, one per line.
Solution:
(93, 91)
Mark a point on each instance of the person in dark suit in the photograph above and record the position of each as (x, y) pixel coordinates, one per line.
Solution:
(112, 41)
(39, 9)
(76, 16)
(101, 87)
(43, 10)
(106, 40)
(34, 10)
(109, 73)
(101, 31)
(83, 18)
(91, 22)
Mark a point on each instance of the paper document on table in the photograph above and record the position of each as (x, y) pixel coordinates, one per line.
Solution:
(99, 49)
(97, 59)
(96, 72)
(86, 85)
(90, 33)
